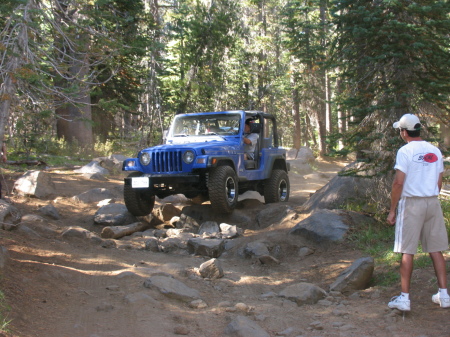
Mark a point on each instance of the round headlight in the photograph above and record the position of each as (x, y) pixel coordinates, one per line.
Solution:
(188, 157)
(145, 159)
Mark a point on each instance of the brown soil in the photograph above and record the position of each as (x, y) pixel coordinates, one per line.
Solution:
(59, 288)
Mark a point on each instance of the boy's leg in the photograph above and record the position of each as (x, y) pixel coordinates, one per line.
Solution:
(439, 268)
(406, 269)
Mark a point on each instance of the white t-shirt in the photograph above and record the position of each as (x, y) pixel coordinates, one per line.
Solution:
(250, 148)
(422, 163)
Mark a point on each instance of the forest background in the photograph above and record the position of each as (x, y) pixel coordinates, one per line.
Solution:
(111, 74)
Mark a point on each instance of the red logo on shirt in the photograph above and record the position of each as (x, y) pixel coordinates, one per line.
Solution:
(430, 158)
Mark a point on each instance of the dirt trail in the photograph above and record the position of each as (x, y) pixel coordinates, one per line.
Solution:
(60, 288)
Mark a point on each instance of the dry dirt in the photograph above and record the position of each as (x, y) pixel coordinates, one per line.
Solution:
(58, 288)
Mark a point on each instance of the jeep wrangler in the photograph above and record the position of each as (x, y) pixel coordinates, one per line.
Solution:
(203, 156)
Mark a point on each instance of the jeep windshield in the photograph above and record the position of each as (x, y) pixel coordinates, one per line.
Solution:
(186, 128)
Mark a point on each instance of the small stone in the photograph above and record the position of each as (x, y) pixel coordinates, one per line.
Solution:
(181, 330)
(316, 325)
(242, 307)
(198, 304)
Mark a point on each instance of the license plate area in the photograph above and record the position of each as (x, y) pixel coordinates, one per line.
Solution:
(140, 182)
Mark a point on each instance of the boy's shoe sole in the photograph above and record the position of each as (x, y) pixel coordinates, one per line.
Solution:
(402, 305)
(444, 303)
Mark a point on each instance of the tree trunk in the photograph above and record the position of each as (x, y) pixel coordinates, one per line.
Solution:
(8, 87)
(445, 134)
(74, 121)
(297, 123)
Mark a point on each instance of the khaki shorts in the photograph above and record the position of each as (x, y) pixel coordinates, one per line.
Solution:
(420, 218)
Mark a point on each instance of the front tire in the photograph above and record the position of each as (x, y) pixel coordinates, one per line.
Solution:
(223, 189)
(139, 202)
(277, 187)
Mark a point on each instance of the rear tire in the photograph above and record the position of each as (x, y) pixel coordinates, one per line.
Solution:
(277, 187)
(139, 202)
(223, 189)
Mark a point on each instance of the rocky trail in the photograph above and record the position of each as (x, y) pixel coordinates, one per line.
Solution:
(79, 284)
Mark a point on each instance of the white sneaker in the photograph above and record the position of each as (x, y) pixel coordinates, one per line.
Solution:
(398, 302)
(443, 302)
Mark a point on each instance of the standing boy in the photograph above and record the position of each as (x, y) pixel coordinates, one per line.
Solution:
(418, 180)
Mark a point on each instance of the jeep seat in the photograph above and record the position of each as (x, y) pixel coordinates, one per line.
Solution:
(253, 164)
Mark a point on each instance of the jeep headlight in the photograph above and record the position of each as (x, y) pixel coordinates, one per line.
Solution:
(145, 159)
(188, 157)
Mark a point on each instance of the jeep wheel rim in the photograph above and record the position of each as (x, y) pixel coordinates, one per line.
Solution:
(283, 190)
(230, 188)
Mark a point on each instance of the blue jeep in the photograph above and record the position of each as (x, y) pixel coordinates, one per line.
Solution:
(203, 156)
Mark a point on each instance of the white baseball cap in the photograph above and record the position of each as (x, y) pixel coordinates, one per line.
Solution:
(408, 122)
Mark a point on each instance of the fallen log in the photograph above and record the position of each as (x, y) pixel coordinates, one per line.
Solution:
(26, 162)
(117, 232)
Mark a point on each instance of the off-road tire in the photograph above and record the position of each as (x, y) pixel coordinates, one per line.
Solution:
(277, 187)
(139, 202)
(223, 189)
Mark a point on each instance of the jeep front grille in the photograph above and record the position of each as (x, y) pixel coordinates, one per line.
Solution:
(167, 161)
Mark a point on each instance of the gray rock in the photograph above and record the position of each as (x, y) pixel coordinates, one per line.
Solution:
(35, 183)
(94, 195)
(166, 212)
(108, 243)
(305, 251)
(242, 326)
(172, 288)
(93, 167)
(355, 277)
(336, 193)
(172, 245)
(76, 232)
(256, 249)
(271, 214)
(8, 213)
(188, 223)
(230, 231)
(198, 304)
(152, 245)
(209, 229)
(211, 269)
(303, 293)
(50, 211)
(113, 215)
(306, 154)
(322, 226)
(206, 247)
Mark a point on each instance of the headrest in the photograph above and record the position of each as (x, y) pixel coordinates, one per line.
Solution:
(255, 127)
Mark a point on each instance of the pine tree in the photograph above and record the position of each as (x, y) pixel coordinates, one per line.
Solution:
(394, 57)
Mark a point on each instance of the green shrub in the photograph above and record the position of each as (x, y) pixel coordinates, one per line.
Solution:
(4, 311)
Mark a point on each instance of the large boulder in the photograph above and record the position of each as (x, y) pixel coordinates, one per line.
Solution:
(94, 195)
(8, 214)
(338, 190)
(172, 288)
(93, 167)
(35, 183)
(322, 226)
(242, 326)
(355, 277)
(113, 215)
(303, 293)
(206, 247)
